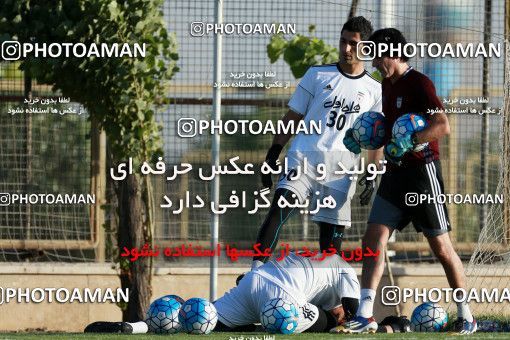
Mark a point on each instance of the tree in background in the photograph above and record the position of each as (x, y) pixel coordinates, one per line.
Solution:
(119, 94)
(303, 51)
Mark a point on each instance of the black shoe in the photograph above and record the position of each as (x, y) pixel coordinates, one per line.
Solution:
(463, 327)
(109, 327)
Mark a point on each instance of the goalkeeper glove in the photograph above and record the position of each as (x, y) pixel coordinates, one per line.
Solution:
(271, 158)
(397, 324)
(406, 142)
(350, 143)
(398, 147)
(366, 194)
(393, 153)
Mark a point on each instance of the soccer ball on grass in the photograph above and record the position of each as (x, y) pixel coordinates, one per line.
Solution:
(162, 316)
(198, 316)
(429, 317)
(279, 316)
(177, 297)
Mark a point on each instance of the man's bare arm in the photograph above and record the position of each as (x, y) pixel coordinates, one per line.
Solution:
(282, 139)
(374, 156)
(437, 129)
(276, 148)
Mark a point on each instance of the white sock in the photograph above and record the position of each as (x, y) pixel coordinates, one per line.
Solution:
(366, 303)
(255, 264)
(464, 312)
(139, 327)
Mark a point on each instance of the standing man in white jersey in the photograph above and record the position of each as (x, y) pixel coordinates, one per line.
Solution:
(324, 292)
(334, 95)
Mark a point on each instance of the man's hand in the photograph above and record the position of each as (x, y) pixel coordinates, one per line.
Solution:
(396, 149)
(366, 194)
(393, 153)
(271, 158)
(350, 143)
(405, 143)
(397, 324)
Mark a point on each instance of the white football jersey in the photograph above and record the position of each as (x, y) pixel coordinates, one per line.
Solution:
(322, 283)
(328, 95)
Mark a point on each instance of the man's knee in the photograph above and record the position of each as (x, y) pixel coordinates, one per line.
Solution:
(442, 252)
(442, 247)
(376, 235)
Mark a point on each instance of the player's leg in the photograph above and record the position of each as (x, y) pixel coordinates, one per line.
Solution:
(333, 221)
(331, 235)
(375, 238)
(325, 321)
(385, 216)
(350, 307)
(432, 217)
(292, 188)
(442, 247)
(269, 231)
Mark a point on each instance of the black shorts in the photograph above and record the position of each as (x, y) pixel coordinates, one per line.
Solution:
(398, 200)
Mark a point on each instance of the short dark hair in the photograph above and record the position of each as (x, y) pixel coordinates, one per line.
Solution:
(358, 24)
(389, 36)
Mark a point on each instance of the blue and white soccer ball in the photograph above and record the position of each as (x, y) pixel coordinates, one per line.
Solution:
(407, 125)
(369, 131)
(429, 317)
(177, 297)
(163, 316)
(198, 316)
(279, 316)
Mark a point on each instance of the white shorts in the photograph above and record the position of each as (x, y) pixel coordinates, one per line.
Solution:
(242, 304)
(306, 187)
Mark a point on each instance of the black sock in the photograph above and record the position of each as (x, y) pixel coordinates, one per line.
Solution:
(350, 306)
(331, 235)
(269, 230)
